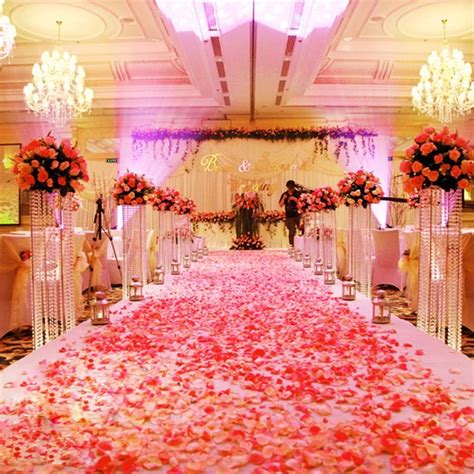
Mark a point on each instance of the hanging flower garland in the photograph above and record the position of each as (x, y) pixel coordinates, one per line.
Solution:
(325, 198)
(165, 142)
(360, 189)
(45, 165)
(438, 159)
(132, 189)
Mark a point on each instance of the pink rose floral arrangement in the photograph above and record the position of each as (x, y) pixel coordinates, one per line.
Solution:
(185, 206)
(326, 198)
(248, 200)
(441, 159)
(45, 165)
(271, 217)
(165, 199)
(360, 189)
(219, 217)
(305, 203)
(132, 189)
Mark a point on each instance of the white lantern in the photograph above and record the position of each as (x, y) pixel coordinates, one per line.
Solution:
(318, 267)
(194, 256)
(329, 276)
(100, 309)
(200, 253)
(380, 308)
(187, 261)
(136, 289)
(307, 261)
(175, 267)
(348, 289)
(298, 256)
(205, 251)
(158, 276)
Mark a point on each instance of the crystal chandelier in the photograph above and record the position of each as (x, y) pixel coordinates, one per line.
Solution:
(445, 89)
(7, 35)
(57, 92)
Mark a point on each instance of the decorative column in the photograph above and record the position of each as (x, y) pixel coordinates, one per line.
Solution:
(360, 247)
(134, 246)
(166, 249)
(52, 264)
(440, 274)
(317, 237)
(328, 237)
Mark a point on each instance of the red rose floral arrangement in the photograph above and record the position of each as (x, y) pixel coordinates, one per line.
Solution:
(325, 198)
(165, 199)
(438, 159)
(185, 206)
(305, 203)
(247, 242)
(132, 189)
(360, 189)
(45, 165)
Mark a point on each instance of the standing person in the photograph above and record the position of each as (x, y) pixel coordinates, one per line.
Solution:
(289, 199)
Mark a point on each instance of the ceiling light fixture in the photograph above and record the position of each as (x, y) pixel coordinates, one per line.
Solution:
(7, 35)
(57, 92)
(445, 90)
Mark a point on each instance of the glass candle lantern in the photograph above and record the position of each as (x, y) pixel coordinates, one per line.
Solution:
(298, 256)
(380, 308)
(194, 256)
(136, 289)
(175, 267)
(187, 261)
(329, 276)
(200, 253)
(205, 251)
(307, 261)
(158, 276)
(291, 251)
(348, 289)
(318, 267)
(100, 310)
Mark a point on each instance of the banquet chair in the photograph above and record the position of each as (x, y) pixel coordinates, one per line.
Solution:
(387, 253)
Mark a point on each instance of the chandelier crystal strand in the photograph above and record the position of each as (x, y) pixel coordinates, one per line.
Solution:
(57, 92)
(7, 35)
(445, 89)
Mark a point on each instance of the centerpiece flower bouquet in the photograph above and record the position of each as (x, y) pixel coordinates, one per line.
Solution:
(360, 189)
(132, 189)
(165, 199)
(247, 200)
(184, 205)
(305, 202)
(45, 165)
(326, 198)
(441, 159)
(247, 242)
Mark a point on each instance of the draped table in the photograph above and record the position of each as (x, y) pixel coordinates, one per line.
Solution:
(15, 279)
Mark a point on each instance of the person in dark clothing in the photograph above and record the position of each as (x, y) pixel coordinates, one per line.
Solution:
(289, 200)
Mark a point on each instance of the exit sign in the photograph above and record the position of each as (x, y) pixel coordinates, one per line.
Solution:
(111, 160)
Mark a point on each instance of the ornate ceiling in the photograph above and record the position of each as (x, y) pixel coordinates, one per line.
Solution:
(176, 62)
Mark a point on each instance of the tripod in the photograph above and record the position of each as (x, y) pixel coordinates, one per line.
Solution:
(101, 228)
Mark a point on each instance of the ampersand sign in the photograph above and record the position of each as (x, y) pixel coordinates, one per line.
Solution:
(244, 166)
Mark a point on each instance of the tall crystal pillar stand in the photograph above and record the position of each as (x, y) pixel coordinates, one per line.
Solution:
(165, 242)
(53, 309)
(440, 275)
(317, 236)
(360, 247)
(184, 230)
(328, 219)
(134, 246)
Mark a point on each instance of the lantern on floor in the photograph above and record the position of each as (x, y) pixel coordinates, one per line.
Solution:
(100, 310)
(205, 251)
(298, 256)
(158, 276)
(329, 276)
(318, 267)
(194, 256)
(187, 261)
(348, 289)
(200, 254)
(175, 267)
(291, 251)
(380, 308)
(135, 289)
(307, 261)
